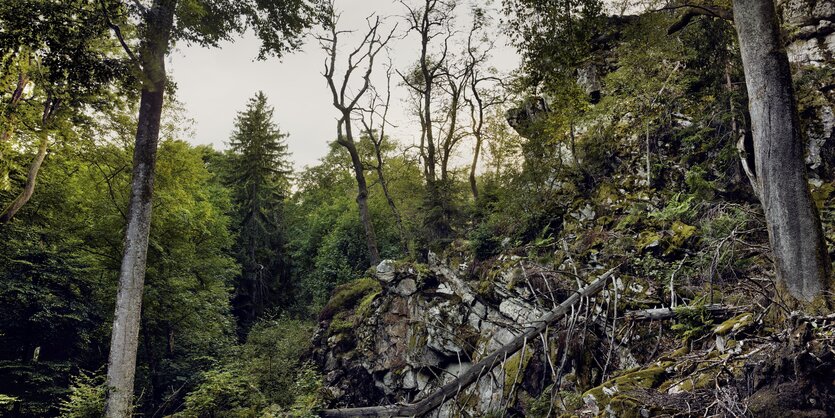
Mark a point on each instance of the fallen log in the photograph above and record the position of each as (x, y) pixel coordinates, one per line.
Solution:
(472, 374)
(660, 314)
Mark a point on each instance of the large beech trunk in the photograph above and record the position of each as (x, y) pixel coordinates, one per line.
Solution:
(794, 227)
(124, 341)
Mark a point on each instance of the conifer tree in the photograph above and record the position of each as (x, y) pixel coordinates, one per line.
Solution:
(259, 173)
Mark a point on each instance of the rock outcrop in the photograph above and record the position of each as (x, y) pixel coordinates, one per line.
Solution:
(426, 324)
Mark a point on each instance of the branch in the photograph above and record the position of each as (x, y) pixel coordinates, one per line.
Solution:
(118, 31)
(659, 314)
(693, 10)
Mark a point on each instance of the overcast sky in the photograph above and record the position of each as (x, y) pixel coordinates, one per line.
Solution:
(214, 84)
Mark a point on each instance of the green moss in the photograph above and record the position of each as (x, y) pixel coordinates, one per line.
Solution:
(642, 378)
(697, 381)
(346, 296)
(647, 239)
(364, 307)
(417, 336)
(514, 369)
(338, 326)
(624, 406)
(735, 323)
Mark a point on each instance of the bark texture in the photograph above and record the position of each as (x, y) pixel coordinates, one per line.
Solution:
(124, 341)
(794, 228)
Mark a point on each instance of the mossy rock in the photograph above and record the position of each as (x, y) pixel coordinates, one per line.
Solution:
(346, 296)
(514, 370)
(689, 384)
(624, 406)
(736, 323)
(364, 307)
(648, 378)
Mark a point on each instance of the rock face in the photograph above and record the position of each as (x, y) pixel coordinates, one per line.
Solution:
(810, 31)
(426, 325)
(810, 27)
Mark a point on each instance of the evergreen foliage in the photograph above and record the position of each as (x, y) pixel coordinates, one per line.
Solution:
(258, 172)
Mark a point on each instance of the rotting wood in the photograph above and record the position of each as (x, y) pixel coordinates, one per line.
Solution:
(660, 314)
(472, 374)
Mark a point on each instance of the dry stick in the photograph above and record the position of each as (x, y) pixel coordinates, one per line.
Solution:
(614, 331)
(437, 398)
(672, 282)
(660, 314)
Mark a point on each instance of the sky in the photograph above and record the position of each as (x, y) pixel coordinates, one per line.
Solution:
(214, 84)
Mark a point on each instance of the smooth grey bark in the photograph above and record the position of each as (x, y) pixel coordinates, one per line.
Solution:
(121, 367)
(794, 227)
(51, 106)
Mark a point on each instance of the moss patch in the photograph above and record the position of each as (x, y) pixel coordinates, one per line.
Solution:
(514, 369)
(735, 323)
(616, 388)
(346, 296)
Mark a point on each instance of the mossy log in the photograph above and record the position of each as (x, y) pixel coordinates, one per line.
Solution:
(472, 374)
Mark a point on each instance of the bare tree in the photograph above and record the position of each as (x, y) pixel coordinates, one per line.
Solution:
(479, 96)
(377, 138)
(346, 102)
(794, 226)
(430, 21)
(437, 86)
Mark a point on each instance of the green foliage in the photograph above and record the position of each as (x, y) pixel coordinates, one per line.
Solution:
(553, 37)
(257, 170)
(678, 208)
(265, 378)
(692, 322)
(273, 350)
(62, 257)
(47, 322)
(326, 240)
(308, 393)
(224, 393)
(86, 397)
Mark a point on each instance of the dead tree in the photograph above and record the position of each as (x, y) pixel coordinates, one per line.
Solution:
(346, 103)
(480, 99)
(430, 21)
(377, 138)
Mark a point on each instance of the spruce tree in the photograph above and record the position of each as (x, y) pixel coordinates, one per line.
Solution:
(259, 175)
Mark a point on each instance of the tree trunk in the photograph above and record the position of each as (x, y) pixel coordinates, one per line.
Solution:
(362, 194)
(794, 228)
(22, 81)
(29, 187)
(124, 341)
(397, 218)
(474, 166)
